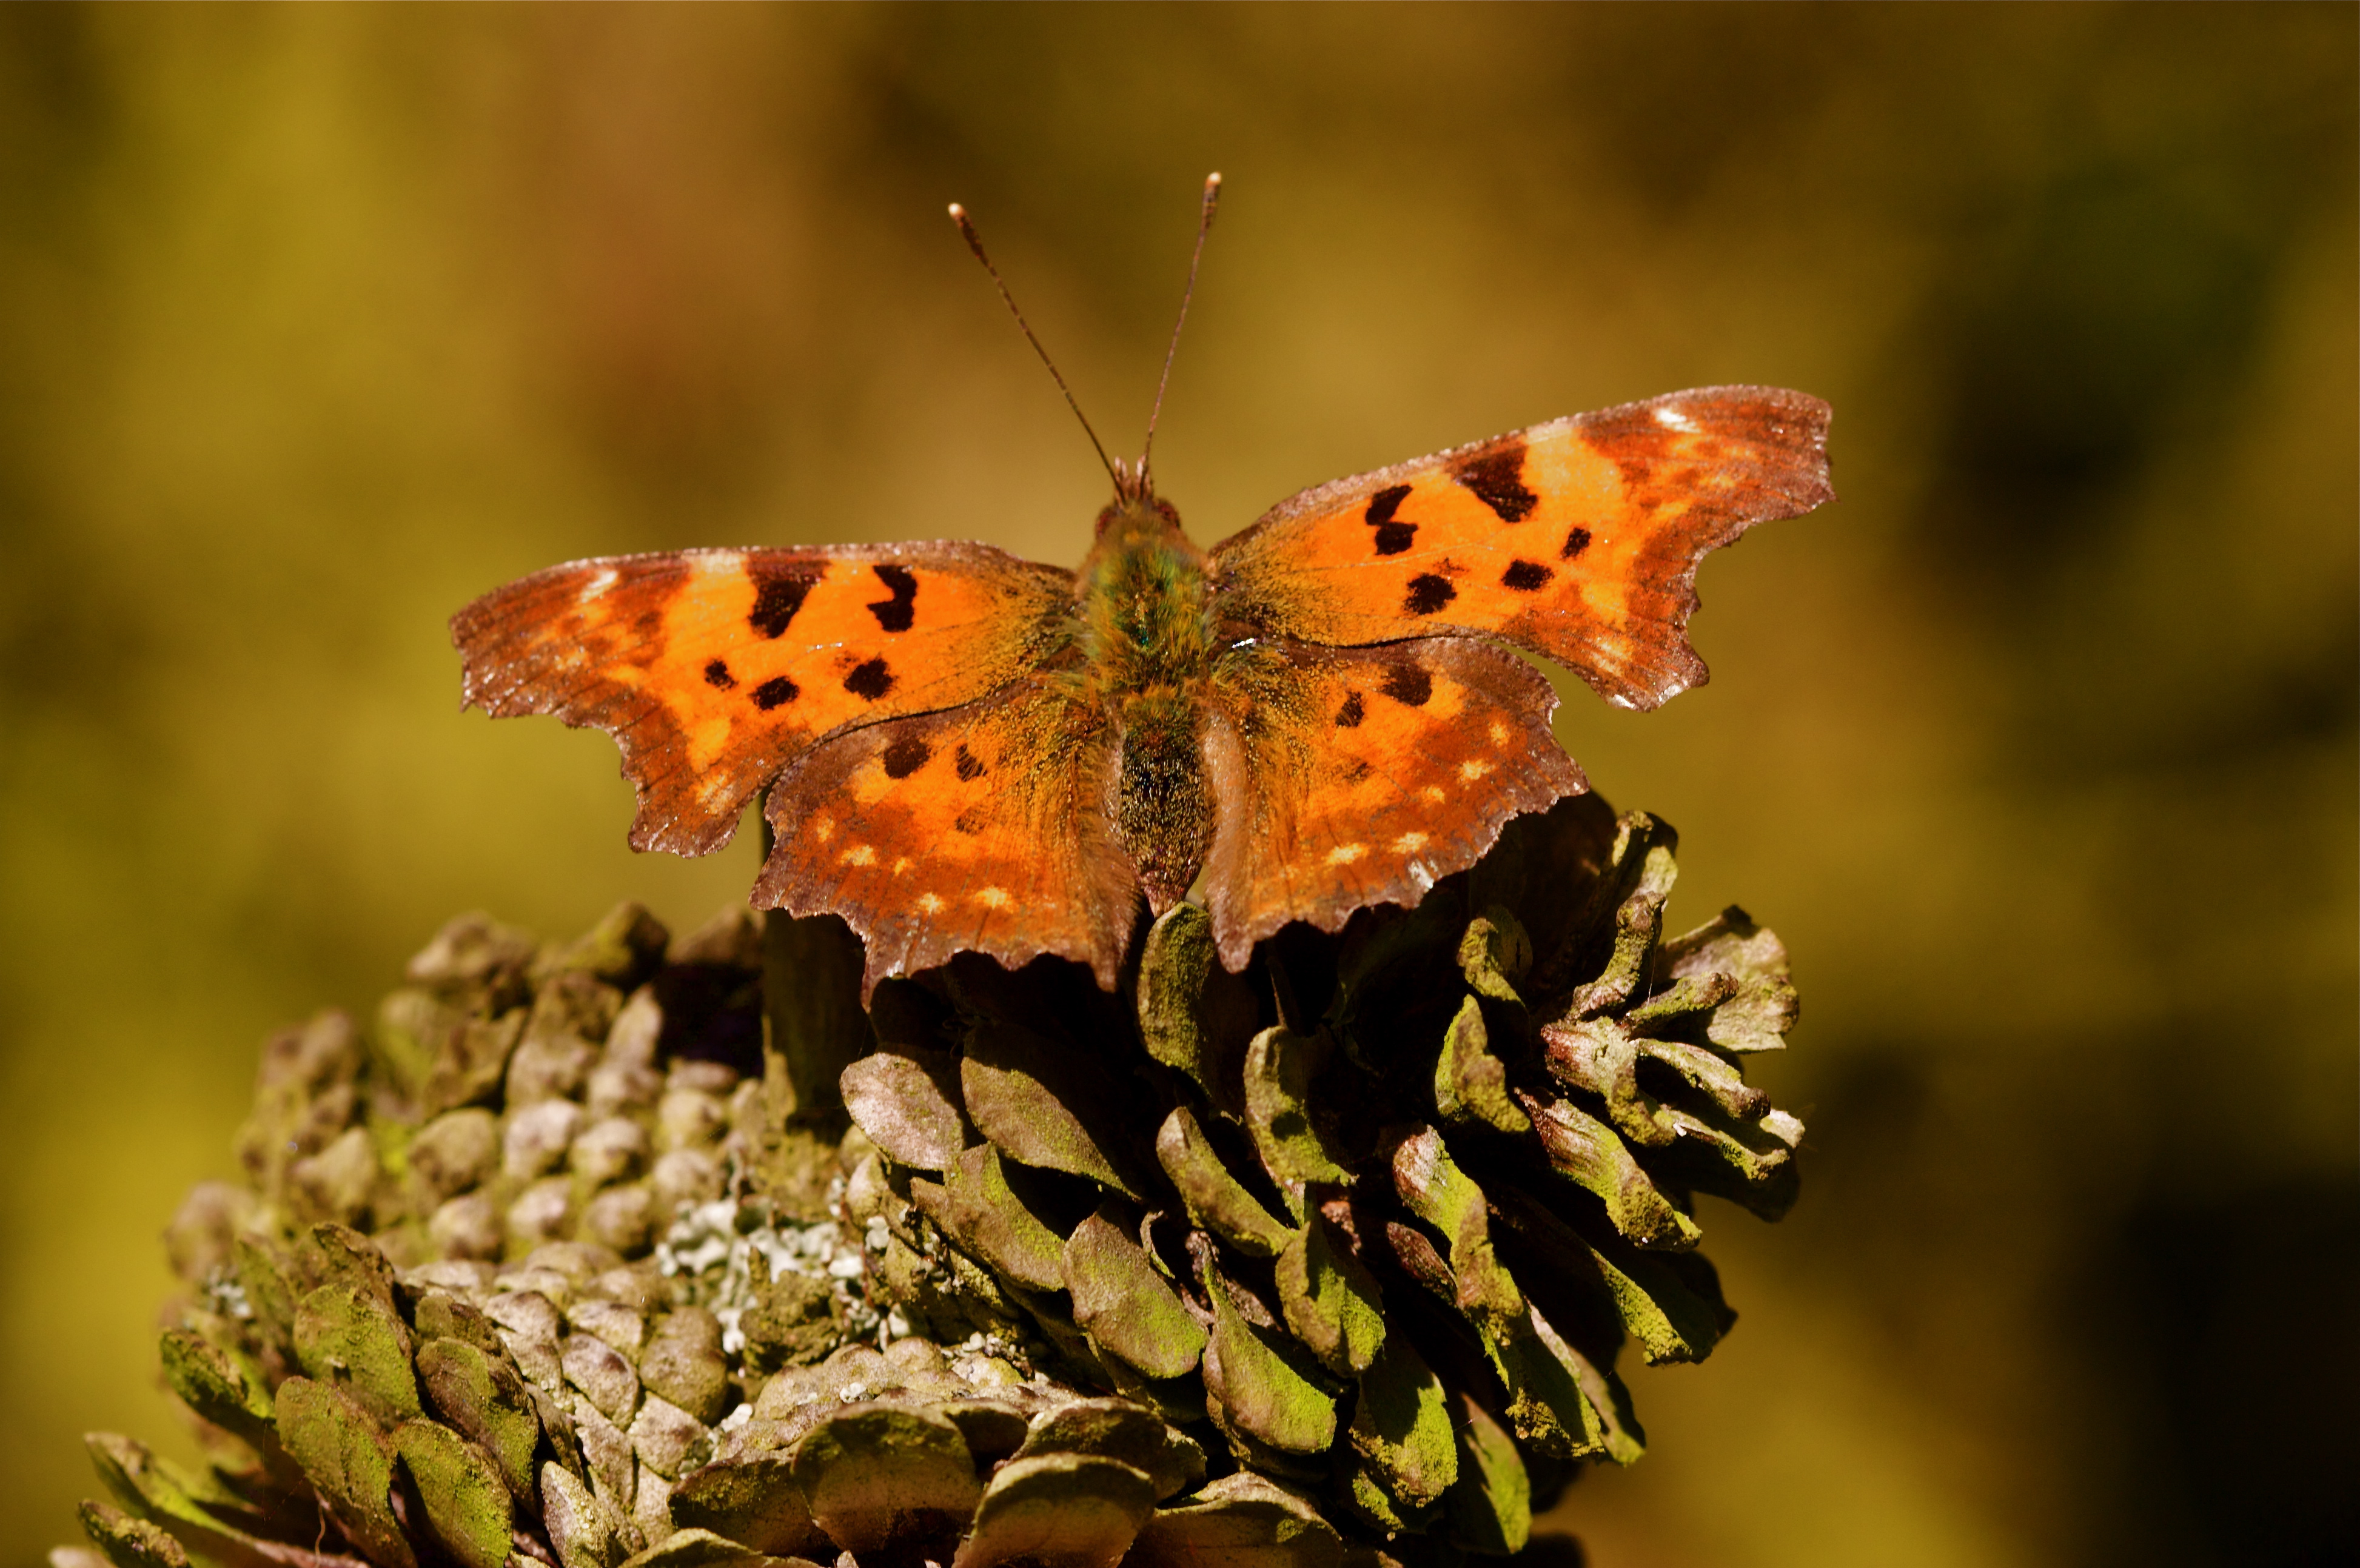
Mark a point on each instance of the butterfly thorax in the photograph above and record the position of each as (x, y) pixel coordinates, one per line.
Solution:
(1145, 611)
(1145, 608)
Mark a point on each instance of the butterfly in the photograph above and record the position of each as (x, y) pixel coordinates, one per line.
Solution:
(964, 751)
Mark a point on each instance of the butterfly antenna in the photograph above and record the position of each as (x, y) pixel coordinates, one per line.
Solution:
(975, 243)
(1203, 227)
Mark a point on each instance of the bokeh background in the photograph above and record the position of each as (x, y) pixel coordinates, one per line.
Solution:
(2039, 748)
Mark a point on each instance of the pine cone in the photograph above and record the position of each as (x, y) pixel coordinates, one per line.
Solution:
(1384, 1207)
(505, 1285)
(1328, 1260)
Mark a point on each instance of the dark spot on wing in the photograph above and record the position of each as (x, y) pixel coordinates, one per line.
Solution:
(1392, 538)
(1497, 479)
(1574, 543)
(1526, 576)
(1384, 504)
(896, 613)
(649, 623)
(1349, 715)
(718, 674)
(1356, 769)
(1409, 685)
(969, 822)
(969, 766)
(905, 757)
(869, 681)
(1428, 593)
(774, 692)
(779, 592)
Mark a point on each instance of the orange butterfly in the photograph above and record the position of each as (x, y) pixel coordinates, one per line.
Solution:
(968, 752)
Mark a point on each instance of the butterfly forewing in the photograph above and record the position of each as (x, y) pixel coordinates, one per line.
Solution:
(1577, 538)
(713, 669)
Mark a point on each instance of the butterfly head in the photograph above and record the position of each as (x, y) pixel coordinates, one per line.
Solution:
(1134, 482)
(1137, 512)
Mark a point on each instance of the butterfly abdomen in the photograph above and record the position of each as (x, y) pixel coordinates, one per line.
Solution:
(1162, 813)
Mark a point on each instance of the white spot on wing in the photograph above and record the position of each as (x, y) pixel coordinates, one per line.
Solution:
(929, 904)
(1673, 419)
(1434, 795)
(1345, 854)
(596, 587)
(993, 898)
(1471, 771)
(1410, 843)
(860, 855)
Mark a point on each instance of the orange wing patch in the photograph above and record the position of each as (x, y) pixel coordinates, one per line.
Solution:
(1577, 538)
(713, 669)
(977, 830)
(1351, 776)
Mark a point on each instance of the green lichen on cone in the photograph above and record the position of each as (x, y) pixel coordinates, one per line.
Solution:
(561, 1258)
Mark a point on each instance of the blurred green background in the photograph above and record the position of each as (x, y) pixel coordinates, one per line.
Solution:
(2039, 748)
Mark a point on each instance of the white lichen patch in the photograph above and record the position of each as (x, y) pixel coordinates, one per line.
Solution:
(711, 1249)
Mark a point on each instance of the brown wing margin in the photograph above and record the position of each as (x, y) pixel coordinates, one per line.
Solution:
(1710, 463)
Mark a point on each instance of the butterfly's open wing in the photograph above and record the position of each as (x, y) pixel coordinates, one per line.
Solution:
(1577, 538)
(979, 830)
(713, 669)
(1351, 776)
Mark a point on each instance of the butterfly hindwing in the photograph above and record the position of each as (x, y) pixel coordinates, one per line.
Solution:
(1351, 776)
(1577, 538)
(975, 830)
(713, 669)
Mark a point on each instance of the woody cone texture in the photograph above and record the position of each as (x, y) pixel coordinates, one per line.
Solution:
(558, 1261)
